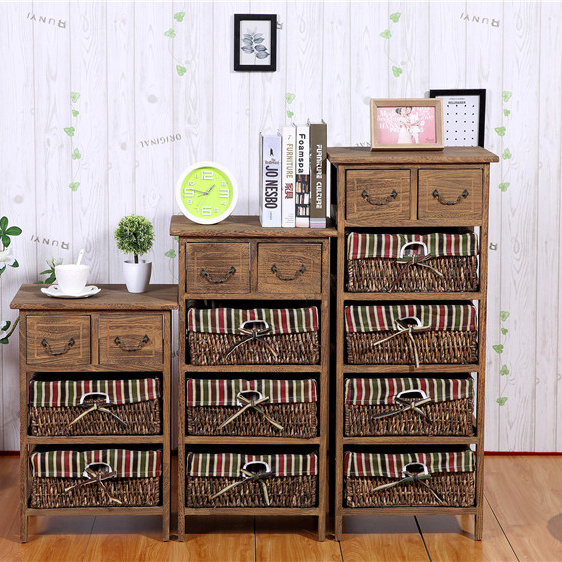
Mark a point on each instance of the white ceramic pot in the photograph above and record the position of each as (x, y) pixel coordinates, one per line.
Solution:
(137, 275)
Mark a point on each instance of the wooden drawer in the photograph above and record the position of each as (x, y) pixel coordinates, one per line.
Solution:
(131, 338)
(450, 195)
(377, 197)
(217, 267)
(289, 268)
(58, 340)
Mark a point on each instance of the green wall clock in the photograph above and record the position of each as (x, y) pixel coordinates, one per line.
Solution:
(206, 193)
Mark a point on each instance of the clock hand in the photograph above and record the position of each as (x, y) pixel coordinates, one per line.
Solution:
(208, 190)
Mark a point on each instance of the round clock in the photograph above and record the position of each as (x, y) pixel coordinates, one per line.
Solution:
(206, 193)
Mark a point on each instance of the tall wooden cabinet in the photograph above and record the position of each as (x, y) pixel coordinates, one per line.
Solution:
(238, 265)
(89, 359)
(412, 192)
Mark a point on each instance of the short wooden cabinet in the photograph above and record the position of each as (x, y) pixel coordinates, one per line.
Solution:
(235, 372)
(422, 195)
(82, 363)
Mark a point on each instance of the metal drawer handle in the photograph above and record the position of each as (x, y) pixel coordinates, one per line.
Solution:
(462, 196)
(299, 272)
(224, 279)
(124, 347)
(46, 345)
(384, 201)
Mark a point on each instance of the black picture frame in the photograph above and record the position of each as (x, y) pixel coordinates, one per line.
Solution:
(451, 128)
(261, 53)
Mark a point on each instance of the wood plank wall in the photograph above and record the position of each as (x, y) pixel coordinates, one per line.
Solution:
(333, 59)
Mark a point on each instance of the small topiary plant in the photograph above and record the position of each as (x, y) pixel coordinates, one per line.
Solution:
(134, 235)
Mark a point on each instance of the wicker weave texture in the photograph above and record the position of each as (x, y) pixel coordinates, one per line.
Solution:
(288, 349)
(433, 347)
(138, 492)
(285, 491)
(458, 274)
(453, 417)
(455, 488)
(141, 418)
(298, 420)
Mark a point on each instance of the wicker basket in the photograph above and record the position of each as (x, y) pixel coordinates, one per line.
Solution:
(227, 336)
(443, 479)
(409, 406)
(95, 407)
(412, 263)
(411, 334)
(100, 478)
(233, 480)
(266, 408)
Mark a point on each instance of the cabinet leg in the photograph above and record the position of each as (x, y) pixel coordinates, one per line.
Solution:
(322, 527)
(479, 524)
(181, 527)
(338, 525)
(24, 527)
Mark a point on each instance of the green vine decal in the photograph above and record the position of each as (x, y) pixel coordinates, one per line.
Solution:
(70, 131)
(289, 99)
(500, 348)
(387, 34)
(7, 259)
(171, 34)
(172, 254)
(501, 132)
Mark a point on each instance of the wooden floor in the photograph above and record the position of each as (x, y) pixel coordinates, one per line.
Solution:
(523, 521)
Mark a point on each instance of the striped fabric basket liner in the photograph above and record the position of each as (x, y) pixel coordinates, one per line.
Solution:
(415, 479)
(228, 336)
(95, 407)
(409, 406)
(269, 408)
(412, 262)
(236, 480)
(411, 334)
(96, 478)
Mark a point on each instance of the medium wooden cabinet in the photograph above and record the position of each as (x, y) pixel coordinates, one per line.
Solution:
(248, 285)
(95, 376)
(422, 195)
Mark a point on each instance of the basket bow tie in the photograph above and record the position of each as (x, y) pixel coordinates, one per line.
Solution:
(97, 407)
(412, 477)
(249, 477)
(407, 330)
(255, 404)
(406, 406)
(252, 334)
(408, 262)
(96, 477)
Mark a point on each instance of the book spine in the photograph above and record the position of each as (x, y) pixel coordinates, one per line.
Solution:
(302, 179)
(270, 184)
(288, 177)
(318, 205)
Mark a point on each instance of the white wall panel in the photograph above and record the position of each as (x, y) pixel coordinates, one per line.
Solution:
(334, 57)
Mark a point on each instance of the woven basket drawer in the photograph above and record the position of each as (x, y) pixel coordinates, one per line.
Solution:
(95, 407)
(409, 406)
(445, 479)
(235, 480)
(436, 262)
(268, 408)
(97, 478)
(229, 336)
(411, 334)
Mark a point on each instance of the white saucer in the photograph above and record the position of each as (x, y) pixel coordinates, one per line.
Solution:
(54, 291)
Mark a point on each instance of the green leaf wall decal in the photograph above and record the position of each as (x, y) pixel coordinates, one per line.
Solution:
(74, 96)
(76, 154)
(179, 16)
(498, 348)
(170, 253)
(386, 34)
(74, 185)
(506, 154)
(395, 17)
(69, 131)
(506, 95)
(503, 186)
(170, 33)
(396, 70)
(290, 98)
(501, 400)
(500, 131)
(181, 70)
(75, 113)
(506, 112)
(504, 371)
(504, 315)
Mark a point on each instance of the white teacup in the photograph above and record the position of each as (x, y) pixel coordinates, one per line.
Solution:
(72, 278)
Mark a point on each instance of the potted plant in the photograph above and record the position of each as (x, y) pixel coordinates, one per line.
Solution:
(135, 235)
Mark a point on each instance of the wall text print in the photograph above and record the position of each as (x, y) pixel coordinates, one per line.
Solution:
(479, 19)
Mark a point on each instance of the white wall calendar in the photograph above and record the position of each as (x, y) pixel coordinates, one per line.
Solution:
(463, 116)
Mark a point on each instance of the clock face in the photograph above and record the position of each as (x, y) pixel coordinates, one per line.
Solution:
(206, 193)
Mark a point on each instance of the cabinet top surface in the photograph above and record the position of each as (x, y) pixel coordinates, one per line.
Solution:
(449, 155)
(111, 297)
(242, 226)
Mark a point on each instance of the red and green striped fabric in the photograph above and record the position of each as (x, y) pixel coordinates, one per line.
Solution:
(69, 393)
(229, 320)
(390, 466)
(205, 392)
(71, 464)
(365, 245)
(230, 464)
(433, 316)
(366, 392)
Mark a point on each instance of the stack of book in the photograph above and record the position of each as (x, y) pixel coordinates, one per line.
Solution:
(293, 190)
